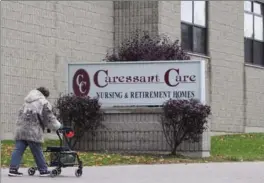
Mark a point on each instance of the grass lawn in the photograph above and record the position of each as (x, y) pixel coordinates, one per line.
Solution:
(242, 147)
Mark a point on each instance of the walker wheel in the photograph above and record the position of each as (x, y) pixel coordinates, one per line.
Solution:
(31, 171)
(54, 173)
(59, 171)
(78, 172)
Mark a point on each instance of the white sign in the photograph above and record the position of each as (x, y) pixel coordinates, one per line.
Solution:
(138, 83)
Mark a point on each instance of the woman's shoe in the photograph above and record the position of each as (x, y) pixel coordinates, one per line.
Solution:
(14, 173)
(44, 173)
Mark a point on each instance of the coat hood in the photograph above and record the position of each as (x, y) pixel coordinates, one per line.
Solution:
(33, 96)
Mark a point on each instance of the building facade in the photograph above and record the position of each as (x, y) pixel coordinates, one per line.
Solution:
(38, 39)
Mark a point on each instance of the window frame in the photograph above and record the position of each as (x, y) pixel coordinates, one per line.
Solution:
(252, 39)
(193, 25)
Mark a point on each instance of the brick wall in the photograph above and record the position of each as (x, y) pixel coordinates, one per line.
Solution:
(226, 43)
(39, 37)
(234, 90)
(254, 99)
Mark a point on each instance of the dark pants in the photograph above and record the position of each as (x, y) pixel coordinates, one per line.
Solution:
(36, 150)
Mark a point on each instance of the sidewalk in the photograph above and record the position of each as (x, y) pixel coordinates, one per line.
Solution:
(252, 172)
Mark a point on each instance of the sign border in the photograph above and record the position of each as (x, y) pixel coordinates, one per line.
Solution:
(202, 74)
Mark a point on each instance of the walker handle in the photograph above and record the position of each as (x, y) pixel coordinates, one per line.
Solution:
(64, 130)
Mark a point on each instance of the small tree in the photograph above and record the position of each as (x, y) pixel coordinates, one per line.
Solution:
(183, 120)
(81, 113)
(147, 48)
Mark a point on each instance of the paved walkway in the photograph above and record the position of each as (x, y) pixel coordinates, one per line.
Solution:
(181, 173)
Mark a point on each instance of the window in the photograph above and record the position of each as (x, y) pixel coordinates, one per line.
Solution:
(193, 26)
(253, 33)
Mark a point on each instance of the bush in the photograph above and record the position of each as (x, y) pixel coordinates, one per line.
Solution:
(183, 120)
(148, 48)
(81, 113)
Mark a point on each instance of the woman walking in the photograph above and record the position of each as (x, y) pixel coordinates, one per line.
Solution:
(34, 116)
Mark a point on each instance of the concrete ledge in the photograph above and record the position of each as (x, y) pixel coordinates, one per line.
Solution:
(254, 66)
(249, 129)
(7, 136)
(196, 154)
(191, 154)
(222, 133)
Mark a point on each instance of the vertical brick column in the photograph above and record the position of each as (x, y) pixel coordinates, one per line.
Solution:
(130, 16)
(170, 18)
(226, 43)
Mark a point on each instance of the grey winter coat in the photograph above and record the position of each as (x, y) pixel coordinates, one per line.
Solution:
(34, 116)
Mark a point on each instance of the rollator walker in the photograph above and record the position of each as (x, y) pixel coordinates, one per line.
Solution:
(62, 156)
